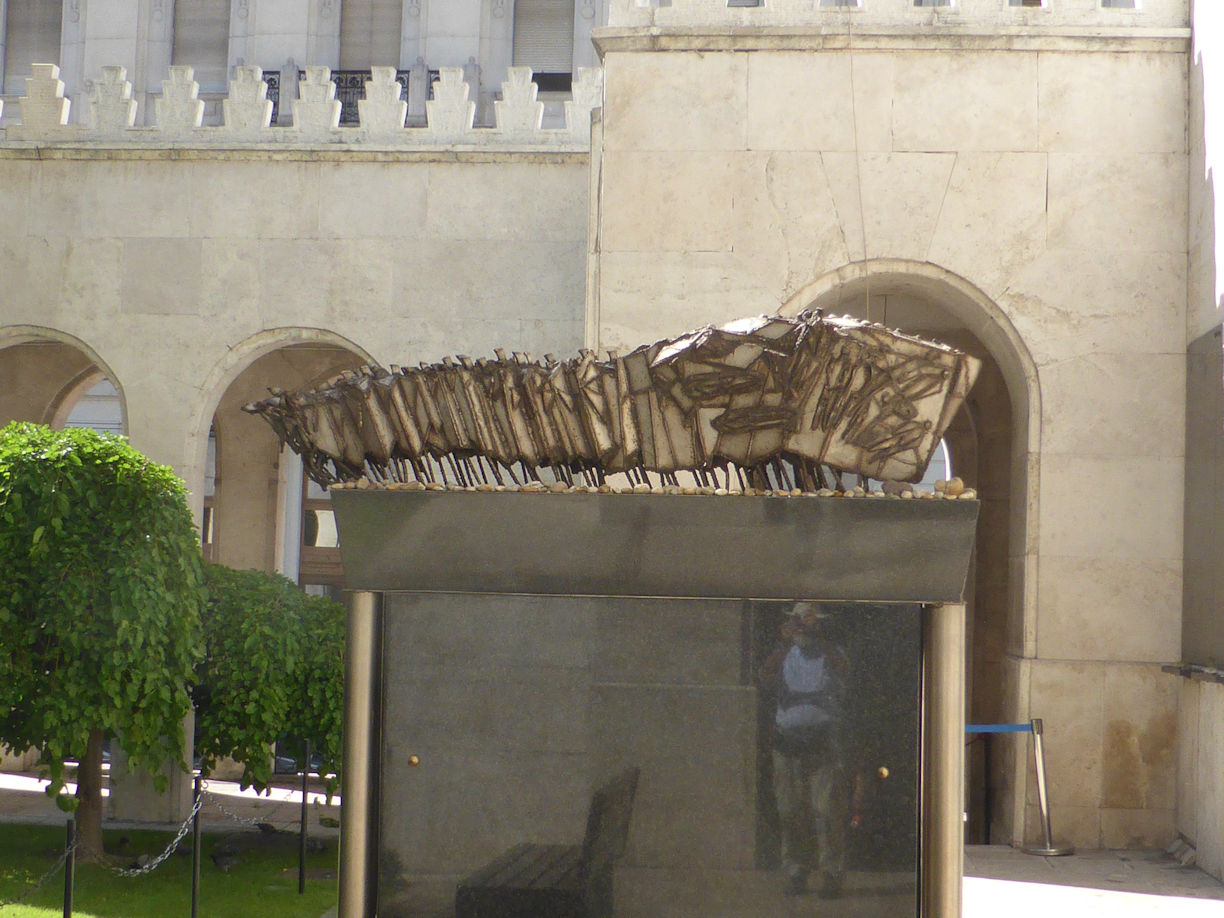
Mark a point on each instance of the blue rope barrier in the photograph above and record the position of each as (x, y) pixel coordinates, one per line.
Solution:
(998, 728)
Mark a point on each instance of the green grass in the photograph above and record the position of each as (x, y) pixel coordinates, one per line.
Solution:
(263, 885)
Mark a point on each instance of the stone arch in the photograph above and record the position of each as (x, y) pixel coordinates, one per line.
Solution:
(61, 382)
(240, 357)
(253, 515)
(999, 434)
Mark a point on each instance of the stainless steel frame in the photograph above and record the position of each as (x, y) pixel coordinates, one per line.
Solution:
(359, 790)
(943, 759)
(663, 546)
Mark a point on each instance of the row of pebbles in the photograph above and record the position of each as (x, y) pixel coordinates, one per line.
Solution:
(953, 489)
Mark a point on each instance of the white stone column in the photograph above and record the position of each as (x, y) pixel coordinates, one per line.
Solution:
(72, 53)
(323, 35)
(588, 15)
(496, 54)
(289, 515)
(153, 57)
(410, 32)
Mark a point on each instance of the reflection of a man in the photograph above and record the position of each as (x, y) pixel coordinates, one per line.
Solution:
(811, 782)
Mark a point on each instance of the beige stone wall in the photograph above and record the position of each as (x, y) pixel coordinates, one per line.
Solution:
(180, 268)
(746, 172)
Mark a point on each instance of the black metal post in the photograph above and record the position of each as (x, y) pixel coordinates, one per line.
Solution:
(69, 868)
(302, 838)
(195, 850)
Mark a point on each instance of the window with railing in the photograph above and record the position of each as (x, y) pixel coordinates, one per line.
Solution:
(544, 41)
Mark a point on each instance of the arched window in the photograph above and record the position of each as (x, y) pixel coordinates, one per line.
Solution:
(98, 408)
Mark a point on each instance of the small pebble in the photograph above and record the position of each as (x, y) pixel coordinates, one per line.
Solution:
(558, 487)
(968, 494)
(941, 485)
(605, 489)
(824, 492)
(907, 495)
(955, 486)
(721, 492)
(641, 489)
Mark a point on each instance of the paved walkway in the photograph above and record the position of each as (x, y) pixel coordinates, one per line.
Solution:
(1000, 882)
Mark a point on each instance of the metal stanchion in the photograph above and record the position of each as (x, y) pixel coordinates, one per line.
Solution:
(69, 868)
(302, 834)
(1050, 849)
(195, 850)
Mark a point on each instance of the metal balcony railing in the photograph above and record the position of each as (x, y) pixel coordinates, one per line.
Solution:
(350, 88)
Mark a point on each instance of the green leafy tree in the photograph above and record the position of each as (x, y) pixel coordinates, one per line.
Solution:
(273, 666)
(100, 598)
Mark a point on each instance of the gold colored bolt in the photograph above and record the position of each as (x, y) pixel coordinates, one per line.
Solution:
(882, 771)
(415, 760)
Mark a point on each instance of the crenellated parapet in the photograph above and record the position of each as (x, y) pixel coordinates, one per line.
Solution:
(247, 111)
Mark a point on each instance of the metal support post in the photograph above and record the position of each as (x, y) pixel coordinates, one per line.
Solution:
(69, 867)
(195, 847)
(943, 759)
(359, 790)
(302, 833)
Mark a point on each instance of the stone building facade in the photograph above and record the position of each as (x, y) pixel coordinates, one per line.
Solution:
(1027, 181)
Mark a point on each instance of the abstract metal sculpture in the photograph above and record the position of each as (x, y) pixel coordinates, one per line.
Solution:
(791, 396)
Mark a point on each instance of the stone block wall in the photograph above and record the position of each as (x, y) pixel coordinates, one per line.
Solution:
(1045, 180)
(172, 270)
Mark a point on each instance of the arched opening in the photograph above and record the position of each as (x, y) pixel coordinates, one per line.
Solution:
(52, 379)
(261, 513)
(990, 446)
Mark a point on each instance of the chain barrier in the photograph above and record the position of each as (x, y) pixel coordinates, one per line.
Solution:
(285, 825)
(161, 858)
(156, 862)
(41, 881)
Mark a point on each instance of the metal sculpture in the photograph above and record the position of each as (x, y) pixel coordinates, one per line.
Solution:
(791, 398)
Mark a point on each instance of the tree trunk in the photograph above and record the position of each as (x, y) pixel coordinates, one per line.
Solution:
(89, 800)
